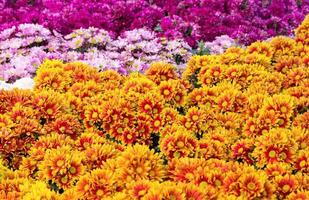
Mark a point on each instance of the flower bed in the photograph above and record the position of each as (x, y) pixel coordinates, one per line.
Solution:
(25, 47)
(233, 126)
(192, 20)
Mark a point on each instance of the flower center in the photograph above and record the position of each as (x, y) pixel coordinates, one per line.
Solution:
(218, 182)
(64, 179)
(195, 117)
(60, 163)
(187, 124)
(49, 111)
(147, 107)
(280, 121)
(216, 73)
(198, 97)
(119, 130)
(72, 170)
(284, 109)
(189, 176)
(302, 163)
(129, 136)
(180, 144)
(272, 154)
(157, 123)
(166, 92)
(252, 128)
(286, 188)
(62, 129)
(203, 184)
(99, 192)
(94, 115)
(139, 170)
(54, 85)
(86, 187)
(224, 104)
(176, 154)
(251, 186)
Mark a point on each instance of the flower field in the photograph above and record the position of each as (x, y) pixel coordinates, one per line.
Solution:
(148, 100)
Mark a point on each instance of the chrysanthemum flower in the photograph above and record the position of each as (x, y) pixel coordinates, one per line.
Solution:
(138, 189)
(166, 89)
(277, 146)
(139, 85)
(151, 104)
(62, 166)
(66, 124)
(97, 154)
(302, 32)
(5, 121)
(11, 97)
(260, 48)
(139, 163)
(97, 184)
(169, 116)
(302, 162)
(277, 169)
(286, 63)
(252, 185)
(195, 119)
(241, 150)
(282, 46)
(301, 121)
(212, 74)
(49, 104)
(81, 72)
(52, 78)
(37, 190)
(285, 185)
(178, 144)
(110, 79)
(185, 169)
(160, 71)
(194, 192)
(86, 89)
(229, 120)
(299, 195)
(30, 164)
(297, 76)
(166, 190)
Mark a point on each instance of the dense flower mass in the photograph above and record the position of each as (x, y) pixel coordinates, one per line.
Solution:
(232, 126)
(24, 48)
(192, 20)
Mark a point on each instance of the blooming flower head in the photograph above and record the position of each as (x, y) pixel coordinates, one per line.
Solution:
(160, 71)
(61, 166)
(139, 163)
(179, 144)
(98, 183)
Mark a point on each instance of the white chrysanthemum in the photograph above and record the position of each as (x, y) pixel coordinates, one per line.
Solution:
(5, 86)
(24, 83)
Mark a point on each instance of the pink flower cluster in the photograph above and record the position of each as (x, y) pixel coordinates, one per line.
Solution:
(24, 48)
(191, 20)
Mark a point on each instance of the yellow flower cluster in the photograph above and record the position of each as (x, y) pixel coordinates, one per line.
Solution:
(234, 126)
